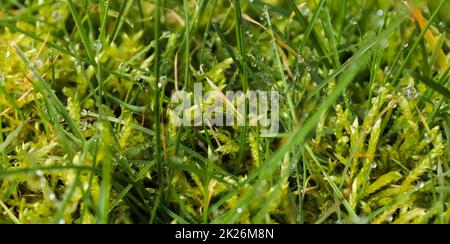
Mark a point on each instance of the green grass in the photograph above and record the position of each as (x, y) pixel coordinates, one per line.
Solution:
(85, 106)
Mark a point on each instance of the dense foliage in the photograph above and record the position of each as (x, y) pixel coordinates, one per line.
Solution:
(85, 106)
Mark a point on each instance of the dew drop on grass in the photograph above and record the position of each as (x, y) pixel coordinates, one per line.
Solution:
(61, 221)
(427, 138)
(389, 218)
(165, 35)
(98, 45)
(42, 182)
(411, 92)
(239, 210)
(420, 185)
(130, 23)
(52, 196)
(373, 165)
(406, 45)
(380, 12)
(56, 15)
(7, 54)
(39, 63)
(84, 125)
(434, 167)
(301, 60)
(280, 16)
(306, 11)
(39, 173)
(384, 43)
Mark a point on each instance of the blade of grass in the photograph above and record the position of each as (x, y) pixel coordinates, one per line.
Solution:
(243, 77)
(81, 30)
(362, 51)
(157, 105)
(433, 85)
(49, 95)
(123, 12)
(411, 51)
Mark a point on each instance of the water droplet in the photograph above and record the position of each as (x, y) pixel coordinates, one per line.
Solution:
(52, 196)
(162, 79)
(306, 10)
(7, 54)
(373, 165)
(61, 221)
(98, 45)
(239, 210)
(280, 16)
(42, 182)
(411, 92)
(253, 64)
(380, 89)
(2, 77)
(420, 185)
(406, 45)
(39, 173)
(384, 42)
(130, 23)
(84, 125)
(308, 68)
(354, 22)
(56, 15)
(427, 138)
(380, 12)
(389, 218)
(38, 63)
(165, 35)
(301, 60)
